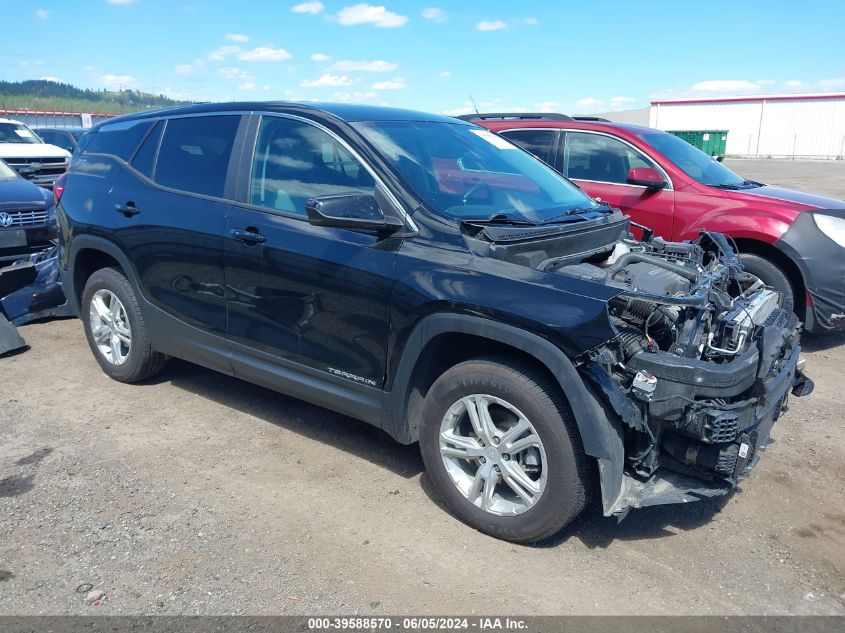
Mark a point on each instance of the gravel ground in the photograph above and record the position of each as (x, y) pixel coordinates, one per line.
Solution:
(200, 494)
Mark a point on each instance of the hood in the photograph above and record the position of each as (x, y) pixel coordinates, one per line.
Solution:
(17, 193)
(793, 198)
(32, 150)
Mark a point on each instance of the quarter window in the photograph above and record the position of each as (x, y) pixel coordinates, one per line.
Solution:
(118, 139)
(295, 161)
(194, 154)
(600, 158)
(146, 154)
(541, 143)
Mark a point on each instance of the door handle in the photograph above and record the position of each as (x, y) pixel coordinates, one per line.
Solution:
(128, 209)
(248, 236)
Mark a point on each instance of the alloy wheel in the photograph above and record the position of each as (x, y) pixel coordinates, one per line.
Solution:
(493, 455)
(110, 326)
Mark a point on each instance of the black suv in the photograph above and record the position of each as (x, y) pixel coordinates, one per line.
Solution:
(427, 276)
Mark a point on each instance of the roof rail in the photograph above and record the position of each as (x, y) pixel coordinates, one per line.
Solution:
(509, 116)
(597, 119)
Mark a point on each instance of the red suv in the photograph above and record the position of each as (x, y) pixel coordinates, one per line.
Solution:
(793, 241)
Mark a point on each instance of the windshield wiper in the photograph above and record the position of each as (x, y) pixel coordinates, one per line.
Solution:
(571, 212)
(745, 184)
(503, 217)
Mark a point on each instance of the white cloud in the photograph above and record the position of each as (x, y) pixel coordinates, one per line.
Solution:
(765, 82)
(53, 79)
(327, 81)
(392, 84)
(725, 85)
(793, 83)
(231, 72)
(121, 1)
(435, 14)
(619, 100)
(444, 73)
(219, 54)
(118, 81)
(490, 25)
(588, 101)
(354, 96)
(320, 57)
(183, 69)
(308, 7)
(236, 37)
(375, 66)
(465, 109)
(832, 84)
(264, 54)
(363, 13)
(247, 86)
(530, 21)
(42, 14)
(546, 106)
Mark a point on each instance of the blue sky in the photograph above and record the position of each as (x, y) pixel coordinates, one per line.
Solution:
(577, 57)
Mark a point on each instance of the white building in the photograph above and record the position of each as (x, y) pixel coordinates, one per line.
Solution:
(796, 125)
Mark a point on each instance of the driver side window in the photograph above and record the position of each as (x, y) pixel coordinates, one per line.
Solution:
(600, 158)
(295, 161)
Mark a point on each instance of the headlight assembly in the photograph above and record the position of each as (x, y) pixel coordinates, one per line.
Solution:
(831, 226)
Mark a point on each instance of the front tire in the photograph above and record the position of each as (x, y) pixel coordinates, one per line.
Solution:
(771, 275)
(502, 449)
(115, 329)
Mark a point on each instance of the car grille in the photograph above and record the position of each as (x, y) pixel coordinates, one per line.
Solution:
(43, 166)
(28, 217)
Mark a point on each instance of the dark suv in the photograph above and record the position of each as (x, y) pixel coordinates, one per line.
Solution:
(429, 277)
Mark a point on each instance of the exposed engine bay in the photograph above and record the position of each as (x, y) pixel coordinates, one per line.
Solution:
(703, 360)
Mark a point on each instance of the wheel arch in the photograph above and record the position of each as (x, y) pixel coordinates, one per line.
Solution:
(782, 261)
(88, 254)
(440, 341)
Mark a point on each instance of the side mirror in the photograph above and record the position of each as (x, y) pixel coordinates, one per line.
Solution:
(647, 177)
(351, 211)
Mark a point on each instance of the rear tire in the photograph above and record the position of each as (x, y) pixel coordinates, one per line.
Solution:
(512, 393)
(115, 329)
(771, 275)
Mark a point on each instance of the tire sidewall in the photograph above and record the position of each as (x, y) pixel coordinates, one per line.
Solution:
(560, 500)
(111, 280)
(771, 275)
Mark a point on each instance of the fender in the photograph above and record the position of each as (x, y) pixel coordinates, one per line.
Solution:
(601, 433)
(93, 242)
(738, 221)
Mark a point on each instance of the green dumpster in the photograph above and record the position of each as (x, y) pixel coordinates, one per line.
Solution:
(711, 142)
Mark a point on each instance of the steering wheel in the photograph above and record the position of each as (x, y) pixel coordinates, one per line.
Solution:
(475, 189)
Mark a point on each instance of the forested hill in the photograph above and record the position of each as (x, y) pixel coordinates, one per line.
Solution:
(40, 94)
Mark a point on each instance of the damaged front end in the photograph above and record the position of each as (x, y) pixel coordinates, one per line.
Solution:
(701, 368)
(30, 290)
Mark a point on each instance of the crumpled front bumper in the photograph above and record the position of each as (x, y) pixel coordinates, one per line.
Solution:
(709, 421)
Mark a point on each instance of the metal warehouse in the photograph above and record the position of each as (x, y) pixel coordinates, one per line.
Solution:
(799, 126)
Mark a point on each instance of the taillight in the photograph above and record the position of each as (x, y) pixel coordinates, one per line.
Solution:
(59, 189)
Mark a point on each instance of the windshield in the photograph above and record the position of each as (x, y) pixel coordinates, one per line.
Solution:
(6, 172)
(470, 173)
(692, 161)
(17, 133)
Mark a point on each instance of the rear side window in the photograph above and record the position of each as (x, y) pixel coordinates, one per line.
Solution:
(48, 136)
(194, 154)
(118, 139)
(541, 143)
(144, 158)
